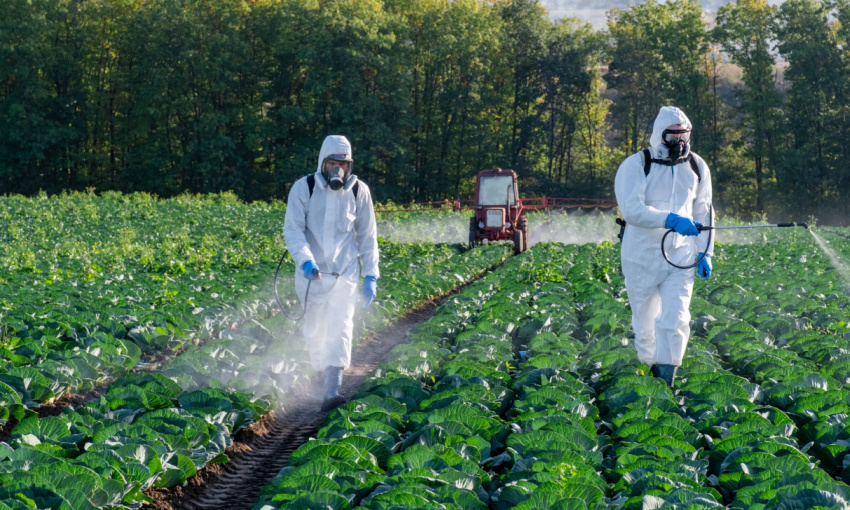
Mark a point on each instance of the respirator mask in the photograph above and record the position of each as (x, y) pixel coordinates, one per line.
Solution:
(336, 169)
(677, 142)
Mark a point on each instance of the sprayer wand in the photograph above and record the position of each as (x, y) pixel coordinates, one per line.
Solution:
(725, 227)
(316, 273)
(703, 228)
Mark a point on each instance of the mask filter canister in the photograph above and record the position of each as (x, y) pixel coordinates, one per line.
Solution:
(336, 178)
(677, 151)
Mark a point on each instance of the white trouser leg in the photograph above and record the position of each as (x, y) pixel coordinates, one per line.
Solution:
(645, 302)
(340, 324)
(315, 330)
(673, 327)
(329, 320)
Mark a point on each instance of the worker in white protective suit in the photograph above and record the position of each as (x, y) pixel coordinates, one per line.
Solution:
(330, 222)
(665, 186)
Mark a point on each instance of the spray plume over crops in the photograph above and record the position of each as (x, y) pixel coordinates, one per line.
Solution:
(425, 227)
(840, 264)
(574, 226)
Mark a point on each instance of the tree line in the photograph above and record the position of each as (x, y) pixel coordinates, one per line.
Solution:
(173, 96)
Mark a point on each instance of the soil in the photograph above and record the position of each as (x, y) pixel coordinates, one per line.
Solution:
(56, 407)
(261, 451)
(153, 360)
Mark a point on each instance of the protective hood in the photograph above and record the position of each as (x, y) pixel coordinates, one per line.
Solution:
(334, 144)
(667, 116)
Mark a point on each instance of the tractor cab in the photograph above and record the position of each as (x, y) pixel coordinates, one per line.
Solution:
(498, 210)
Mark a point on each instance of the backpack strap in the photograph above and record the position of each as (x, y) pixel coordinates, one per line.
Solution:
(355, 189)
(694, 166)
(648, 161)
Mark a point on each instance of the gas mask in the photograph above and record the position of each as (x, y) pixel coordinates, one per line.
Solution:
(337, 175)
(677, 142)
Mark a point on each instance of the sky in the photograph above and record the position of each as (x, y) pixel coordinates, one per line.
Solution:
(594, 10)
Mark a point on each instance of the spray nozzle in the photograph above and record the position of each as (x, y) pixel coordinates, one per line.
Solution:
(803, 224)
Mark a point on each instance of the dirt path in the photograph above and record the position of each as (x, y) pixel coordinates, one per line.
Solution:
(261, 451)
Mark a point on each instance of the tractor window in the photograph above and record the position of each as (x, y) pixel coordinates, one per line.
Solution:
(493, 190)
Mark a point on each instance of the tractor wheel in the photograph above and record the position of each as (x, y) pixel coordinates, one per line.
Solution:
(519, 242)
(522, 226)
(473, 231)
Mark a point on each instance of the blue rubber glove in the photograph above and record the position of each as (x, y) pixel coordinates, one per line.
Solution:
(309, 267)
(704, 266)
(370, 290)
(682, 226)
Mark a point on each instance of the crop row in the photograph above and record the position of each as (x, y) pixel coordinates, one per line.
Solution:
(91, 283)
(442, 408)
(743, 405)
(409, 438)
(450, 422)
(785, 330)
(43, 362)
(158, 429)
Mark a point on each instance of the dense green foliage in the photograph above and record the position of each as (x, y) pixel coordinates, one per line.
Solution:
(213, 95)
(91, 283)
(157, 429)
(82, 306)
(205, 95)
(525, 392)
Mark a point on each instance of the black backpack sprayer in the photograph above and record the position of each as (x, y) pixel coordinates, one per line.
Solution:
(703, 228)
(316, 273)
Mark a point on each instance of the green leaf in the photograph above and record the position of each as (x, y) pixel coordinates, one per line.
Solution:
(322, 500)
(307, 484)
(810, 498)
(377, 449)
(53, 427)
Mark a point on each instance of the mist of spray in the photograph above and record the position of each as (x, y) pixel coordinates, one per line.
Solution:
(280, 359)
(445, 227)
(740, 237)
(841, 266)
(575, 226)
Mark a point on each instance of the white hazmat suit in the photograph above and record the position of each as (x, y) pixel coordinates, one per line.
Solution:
(659, 293)
(331, 228)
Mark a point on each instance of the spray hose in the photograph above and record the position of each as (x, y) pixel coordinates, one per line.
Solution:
(703, 228)
(316, 273)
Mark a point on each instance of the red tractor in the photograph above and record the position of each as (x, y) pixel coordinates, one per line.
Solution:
(498, 210)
